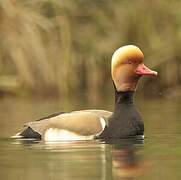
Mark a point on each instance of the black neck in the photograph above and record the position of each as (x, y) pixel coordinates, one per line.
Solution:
(122, 101)
(124, 97)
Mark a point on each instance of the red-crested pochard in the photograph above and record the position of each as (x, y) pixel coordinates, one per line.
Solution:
(126, 69)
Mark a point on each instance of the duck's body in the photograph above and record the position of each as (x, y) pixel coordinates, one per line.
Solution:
(76, 125)
(125, 121)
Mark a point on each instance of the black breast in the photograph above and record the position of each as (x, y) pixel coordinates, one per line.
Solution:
(125, 121)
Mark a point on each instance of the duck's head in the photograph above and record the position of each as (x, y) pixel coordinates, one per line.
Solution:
(127, 67)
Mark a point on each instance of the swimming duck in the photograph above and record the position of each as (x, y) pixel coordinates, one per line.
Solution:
(125, 121)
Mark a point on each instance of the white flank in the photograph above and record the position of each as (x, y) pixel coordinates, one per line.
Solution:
(54, 134)
(103, 123)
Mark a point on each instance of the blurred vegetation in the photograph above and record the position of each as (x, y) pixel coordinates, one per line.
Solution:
(64, 48)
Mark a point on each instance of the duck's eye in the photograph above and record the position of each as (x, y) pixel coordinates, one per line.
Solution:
(130, 62)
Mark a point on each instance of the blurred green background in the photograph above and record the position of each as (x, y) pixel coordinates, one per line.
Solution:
(57, 48)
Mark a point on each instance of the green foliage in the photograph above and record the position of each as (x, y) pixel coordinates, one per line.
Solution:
(57, 47)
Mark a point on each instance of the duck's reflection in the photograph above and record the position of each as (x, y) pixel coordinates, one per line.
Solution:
(115, 159)
(126, 163)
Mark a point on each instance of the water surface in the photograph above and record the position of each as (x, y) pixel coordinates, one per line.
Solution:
(156, 157)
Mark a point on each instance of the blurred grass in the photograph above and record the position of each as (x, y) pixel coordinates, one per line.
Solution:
(64, 48)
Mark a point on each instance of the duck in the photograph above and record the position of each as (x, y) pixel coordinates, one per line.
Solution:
(127, 67)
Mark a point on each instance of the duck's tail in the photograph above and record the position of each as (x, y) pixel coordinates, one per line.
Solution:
(27, 133)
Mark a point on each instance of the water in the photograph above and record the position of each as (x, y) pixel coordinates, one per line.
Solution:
(156, 157)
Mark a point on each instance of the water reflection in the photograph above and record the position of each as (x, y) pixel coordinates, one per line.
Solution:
(82, 160)
(116, 159)
(158, 157)
(126, 163)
